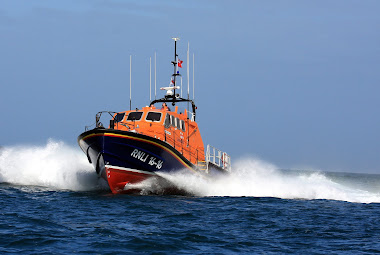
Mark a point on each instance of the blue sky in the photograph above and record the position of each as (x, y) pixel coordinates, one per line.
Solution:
(295, 83)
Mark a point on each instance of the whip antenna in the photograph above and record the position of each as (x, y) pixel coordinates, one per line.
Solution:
(130, 82)
(188, 71)
(193, 79)
(155, 84)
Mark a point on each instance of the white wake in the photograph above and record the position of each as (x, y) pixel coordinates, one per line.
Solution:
(59, 166)
(255, 178)
(54, 165)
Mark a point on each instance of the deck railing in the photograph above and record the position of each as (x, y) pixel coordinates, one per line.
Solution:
(218, 158)
(99, 117)
(180, 144)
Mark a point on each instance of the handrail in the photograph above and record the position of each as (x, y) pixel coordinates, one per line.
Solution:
(218, 158)
(191, 116)
(98, 123)
(194, 154)
(99, 115)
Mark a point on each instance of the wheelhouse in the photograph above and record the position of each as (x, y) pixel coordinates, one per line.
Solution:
(175, 128)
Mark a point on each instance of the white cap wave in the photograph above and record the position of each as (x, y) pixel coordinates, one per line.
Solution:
(54, 165)
(255, 178)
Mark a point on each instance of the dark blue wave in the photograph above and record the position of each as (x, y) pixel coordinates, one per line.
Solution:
(36, 220)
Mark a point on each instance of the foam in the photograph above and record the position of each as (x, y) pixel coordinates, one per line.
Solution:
(59, 166)
(256, 178)
(54, 165)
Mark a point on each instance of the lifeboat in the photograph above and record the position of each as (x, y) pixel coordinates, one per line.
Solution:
(146, 143)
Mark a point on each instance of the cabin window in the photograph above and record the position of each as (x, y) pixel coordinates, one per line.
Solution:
(177, 122)
(119, 117)
(167, 121)
(134, 115)
(172, 119)
(153, 116)
(183, 125)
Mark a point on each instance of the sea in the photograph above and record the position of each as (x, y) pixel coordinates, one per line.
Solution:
(52, 202)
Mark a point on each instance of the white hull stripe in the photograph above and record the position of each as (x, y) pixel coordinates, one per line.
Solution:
(129, 169)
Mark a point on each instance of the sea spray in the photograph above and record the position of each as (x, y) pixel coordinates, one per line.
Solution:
(256, 178)
(54, 165)
(59, 166)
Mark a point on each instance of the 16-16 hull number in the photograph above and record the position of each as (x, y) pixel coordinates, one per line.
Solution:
(143, 157)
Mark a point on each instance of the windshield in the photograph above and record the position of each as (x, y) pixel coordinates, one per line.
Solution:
(154, 116)
(134, 116)
(119, 117)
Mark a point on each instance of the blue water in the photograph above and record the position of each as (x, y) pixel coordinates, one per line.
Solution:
(51, 202)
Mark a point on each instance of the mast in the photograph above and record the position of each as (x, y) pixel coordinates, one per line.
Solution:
(175, 74)
(173, 97)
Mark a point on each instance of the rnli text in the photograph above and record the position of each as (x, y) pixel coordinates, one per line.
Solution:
(142, 156)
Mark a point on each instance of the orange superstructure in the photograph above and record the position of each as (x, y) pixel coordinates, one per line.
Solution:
(172, 127)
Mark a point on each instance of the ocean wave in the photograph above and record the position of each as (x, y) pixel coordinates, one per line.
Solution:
(54, 165)
(256, 178)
